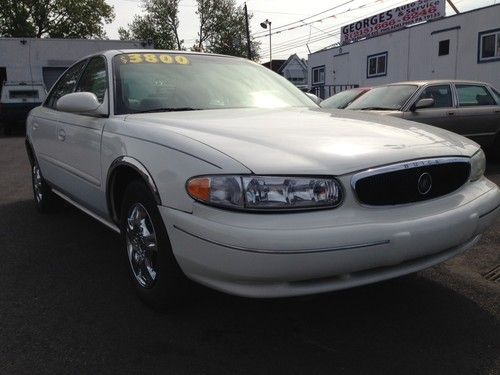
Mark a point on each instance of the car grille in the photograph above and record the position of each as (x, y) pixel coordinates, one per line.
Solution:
(412, 181)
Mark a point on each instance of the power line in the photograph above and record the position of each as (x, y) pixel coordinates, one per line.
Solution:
(307, 18)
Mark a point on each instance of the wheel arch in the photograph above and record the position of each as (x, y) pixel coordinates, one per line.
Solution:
(122, 170)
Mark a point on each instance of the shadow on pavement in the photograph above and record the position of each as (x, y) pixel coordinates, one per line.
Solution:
(66, 305)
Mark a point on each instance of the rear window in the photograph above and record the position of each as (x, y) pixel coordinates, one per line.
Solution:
(23, 94)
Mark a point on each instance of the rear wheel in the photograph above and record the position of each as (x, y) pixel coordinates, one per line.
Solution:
(45, 200)
(153, 269)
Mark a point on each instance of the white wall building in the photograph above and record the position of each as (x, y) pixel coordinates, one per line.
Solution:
(43, 60)
(462, 46)
(295, 70)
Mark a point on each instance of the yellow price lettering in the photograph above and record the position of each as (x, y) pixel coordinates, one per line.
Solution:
(150, 58)
(181, 60)
(135, 58)
(166, 59)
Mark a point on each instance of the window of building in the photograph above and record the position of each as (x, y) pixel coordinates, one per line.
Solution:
(441, 95)
(489, 46)
(318, 75)
(444, 47)
(473, 95)
(377, 65)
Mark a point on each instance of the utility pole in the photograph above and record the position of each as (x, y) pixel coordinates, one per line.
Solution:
(201, 26)
(249, 47)
(453, 6)
(264, 25)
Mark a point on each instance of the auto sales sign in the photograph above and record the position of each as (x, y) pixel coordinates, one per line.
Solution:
(393, 19)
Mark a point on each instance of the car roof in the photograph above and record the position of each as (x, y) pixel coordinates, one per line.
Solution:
(113, 52)
(436, 81)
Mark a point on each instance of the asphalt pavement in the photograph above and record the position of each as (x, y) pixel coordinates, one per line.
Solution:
(67, 307)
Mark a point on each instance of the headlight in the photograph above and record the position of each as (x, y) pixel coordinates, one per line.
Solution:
(263, 193)
(477, 165)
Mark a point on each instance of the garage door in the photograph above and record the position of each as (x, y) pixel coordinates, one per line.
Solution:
(50, 75)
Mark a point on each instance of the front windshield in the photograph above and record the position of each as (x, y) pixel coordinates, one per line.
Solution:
(384, 98)
(152, 82)
(341, 100)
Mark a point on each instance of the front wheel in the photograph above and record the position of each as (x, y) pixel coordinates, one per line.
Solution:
(153, 269)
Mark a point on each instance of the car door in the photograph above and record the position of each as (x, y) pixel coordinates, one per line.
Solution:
(477, 114)
(441, 113)
(45, 124)
(79, 138)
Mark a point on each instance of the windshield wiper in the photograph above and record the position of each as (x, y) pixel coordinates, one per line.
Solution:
(165, 109)
(377, 109)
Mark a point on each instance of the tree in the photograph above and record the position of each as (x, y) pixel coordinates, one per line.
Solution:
(159, 23)
(222, 29)
(54, 18)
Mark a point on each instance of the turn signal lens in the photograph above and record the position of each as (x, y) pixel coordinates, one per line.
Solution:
(199, 189)
(217, 190)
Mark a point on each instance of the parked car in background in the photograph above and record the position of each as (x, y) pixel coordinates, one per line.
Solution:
(469, 108)
(16, 100)
(216, 168)
(343, 98)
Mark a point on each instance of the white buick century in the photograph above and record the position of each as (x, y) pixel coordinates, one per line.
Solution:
(215, 168)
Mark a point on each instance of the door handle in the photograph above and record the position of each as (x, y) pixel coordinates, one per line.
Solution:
(451, 113)
(61, 135)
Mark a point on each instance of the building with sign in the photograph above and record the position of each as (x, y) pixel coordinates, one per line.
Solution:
(461, 46)
(43, 60)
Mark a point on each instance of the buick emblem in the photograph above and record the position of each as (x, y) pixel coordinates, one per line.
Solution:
(424, 184)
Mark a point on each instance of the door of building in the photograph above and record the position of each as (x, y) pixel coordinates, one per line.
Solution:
(444, 54)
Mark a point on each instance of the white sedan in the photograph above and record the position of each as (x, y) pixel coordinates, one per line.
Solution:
(215, 168)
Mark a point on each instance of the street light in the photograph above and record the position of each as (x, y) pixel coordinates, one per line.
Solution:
(264, 26)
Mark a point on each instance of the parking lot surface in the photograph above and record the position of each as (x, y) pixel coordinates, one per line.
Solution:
(66, 306)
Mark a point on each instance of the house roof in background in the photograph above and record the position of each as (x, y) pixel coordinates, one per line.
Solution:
(277, 64)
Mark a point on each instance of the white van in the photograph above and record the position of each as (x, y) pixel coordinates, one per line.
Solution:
(16, 100)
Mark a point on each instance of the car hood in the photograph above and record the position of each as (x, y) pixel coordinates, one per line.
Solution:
(304, 141)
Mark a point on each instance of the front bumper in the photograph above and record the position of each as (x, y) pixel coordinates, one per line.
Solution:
(277, 255)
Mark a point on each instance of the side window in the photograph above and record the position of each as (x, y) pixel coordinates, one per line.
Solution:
(471, 95)
(94, 78)
(497, 94)
(441, 95)
(66, 84)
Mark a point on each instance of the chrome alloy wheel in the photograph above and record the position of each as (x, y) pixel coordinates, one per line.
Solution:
(142, 246)
(37, 183)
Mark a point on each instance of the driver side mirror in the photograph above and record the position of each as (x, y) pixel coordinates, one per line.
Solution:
(84, 103)
(314, 98)
(423, 103)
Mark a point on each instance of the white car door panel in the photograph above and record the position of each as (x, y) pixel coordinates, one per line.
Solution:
(79, 141)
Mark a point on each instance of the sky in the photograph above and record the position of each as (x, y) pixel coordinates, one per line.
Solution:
(281, 12)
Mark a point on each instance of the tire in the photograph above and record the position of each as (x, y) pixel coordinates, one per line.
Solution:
(153, 270)
(45, 200)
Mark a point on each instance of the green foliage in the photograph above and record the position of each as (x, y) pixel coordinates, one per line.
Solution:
(159, 23)
(54, 18)
(223, 30)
